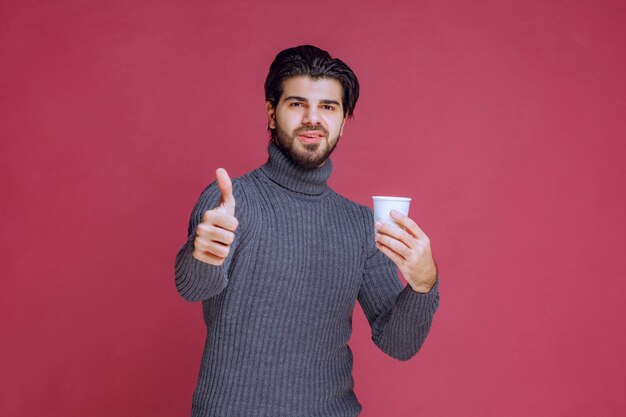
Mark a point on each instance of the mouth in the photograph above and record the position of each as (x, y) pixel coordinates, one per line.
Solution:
(311, 136)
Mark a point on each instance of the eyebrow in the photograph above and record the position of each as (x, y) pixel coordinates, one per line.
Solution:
(322, 101)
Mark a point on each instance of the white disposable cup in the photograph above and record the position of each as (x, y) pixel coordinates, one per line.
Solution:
(384, 204)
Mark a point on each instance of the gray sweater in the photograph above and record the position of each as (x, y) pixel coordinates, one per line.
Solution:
(278, 312)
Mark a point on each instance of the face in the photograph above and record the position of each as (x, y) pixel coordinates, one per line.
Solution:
(308, 119)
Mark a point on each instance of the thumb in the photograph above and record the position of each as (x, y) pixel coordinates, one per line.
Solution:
(225, 185)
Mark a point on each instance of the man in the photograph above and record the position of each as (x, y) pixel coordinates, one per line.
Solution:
(279, 260)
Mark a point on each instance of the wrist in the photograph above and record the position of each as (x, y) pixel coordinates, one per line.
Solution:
(423, 288)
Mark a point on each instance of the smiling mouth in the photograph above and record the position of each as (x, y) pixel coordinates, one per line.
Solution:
(312, 132)
(308, 138)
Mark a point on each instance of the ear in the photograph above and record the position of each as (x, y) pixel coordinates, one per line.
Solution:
(271, 115)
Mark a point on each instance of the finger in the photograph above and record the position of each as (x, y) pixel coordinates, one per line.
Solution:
(220, 219)
(223, 236)
(205, 244)
(207, 257)
(409, 224)
(395, 258)
(395, 245)
(395, 232)
(218, 249)
(226, 188)
(215, 233)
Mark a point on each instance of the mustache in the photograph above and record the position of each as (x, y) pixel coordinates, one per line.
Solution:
(311, 129)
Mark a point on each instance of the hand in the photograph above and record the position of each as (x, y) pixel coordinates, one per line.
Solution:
(409, 248)
(217, 230)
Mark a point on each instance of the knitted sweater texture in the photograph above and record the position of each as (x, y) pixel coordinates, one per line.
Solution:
(278, 312)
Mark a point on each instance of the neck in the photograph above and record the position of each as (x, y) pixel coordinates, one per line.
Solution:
(282, 170)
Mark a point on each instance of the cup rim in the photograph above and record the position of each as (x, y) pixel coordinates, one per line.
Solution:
(383, 197)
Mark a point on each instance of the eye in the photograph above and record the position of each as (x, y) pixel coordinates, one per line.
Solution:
(329, 107)
(295, 104)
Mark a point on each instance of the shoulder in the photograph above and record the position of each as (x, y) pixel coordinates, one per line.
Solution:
(244, 186)
(361, 215)
(211, 194)
(360, 210)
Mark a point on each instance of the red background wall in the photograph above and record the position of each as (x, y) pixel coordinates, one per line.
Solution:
(503, 119)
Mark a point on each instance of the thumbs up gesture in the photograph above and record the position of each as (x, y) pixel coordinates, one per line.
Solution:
(216, 231)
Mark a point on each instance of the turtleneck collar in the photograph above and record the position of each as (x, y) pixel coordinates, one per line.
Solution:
(281, 169)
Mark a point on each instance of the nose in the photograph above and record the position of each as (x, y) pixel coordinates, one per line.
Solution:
(311, 116)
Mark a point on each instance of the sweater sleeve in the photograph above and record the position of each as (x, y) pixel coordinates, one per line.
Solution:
(194, 279)
(400, 318)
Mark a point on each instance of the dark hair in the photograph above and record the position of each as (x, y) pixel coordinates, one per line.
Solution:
(316, 63)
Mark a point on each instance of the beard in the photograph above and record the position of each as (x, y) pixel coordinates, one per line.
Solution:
(312, 156)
